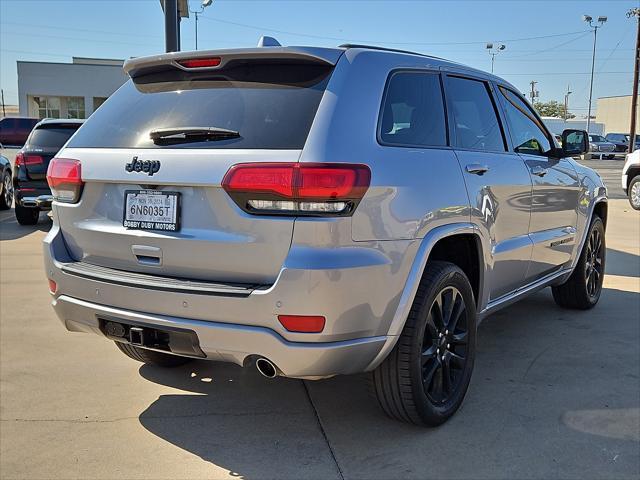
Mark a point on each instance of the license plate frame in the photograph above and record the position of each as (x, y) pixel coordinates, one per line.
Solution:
(152, 225)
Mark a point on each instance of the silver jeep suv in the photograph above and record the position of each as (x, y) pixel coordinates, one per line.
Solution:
(315, 212)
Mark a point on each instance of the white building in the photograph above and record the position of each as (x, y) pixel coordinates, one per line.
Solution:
(67, 90)
(557, 125)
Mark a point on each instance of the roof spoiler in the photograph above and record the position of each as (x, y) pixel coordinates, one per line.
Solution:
(137, 67)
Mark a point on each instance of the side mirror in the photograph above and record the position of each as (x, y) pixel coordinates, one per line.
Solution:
(574, 143)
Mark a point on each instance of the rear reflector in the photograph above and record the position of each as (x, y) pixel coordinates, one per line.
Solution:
(64, 176)
(297, 188)
(200, 62)
(302, 323)
(53, 287)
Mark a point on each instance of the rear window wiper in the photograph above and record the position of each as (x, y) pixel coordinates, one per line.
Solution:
(191, 134)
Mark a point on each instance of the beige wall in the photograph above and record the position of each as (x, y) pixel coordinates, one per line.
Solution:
(615, 114)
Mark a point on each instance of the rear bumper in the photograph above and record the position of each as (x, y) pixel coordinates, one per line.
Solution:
(236, 343)
(357, 289)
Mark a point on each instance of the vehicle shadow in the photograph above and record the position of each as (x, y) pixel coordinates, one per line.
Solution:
(10, 229)
(622, 263)
(547, 400)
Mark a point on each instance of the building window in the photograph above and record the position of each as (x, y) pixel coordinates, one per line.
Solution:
(97, 101)
(75, 107)
(48, 107)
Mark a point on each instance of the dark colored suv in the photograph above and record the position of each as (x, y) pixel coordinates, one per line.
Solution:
(15, 130)
(621, 141)
(32, 193)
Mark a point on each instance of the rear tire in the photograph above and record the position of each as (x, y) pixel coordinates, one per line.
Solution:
(6, 198)
(582, 290)
(426, 376)
(27, 216)
(151, 357)
(634, 192)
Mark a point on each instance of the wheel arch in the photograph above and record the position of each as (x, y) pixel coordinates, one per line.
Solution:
(434, 247)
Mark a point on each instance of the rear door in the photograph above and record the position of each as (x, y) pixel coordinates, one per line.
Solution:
(271, 107)
(556, 188)
(497, 180)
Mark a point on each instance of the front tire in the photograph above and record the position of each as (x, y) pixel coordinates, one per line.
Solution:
(426, 376)
(582, 290)
(151, 357)
(6, 198)
(634, 192)
(27, 216)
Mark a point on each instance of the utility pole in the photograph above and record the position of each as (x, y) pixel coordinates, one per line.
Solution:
(634, 97)
(566, 103)
(601, 21)
(4, 113)
(534, 92)
(171, 26)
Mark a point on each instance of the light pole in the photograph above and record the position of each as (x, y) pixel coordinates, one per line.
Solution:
(203, 5)
(493, 51)
(566, 103)
(601, 21)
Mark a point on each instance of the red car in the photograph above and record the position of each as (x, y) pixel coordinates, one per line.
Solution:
(15, 130)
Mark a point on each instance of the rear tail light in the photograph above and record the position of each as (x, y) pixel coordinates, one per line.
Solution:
(200, 62)
(22, 159)
(53, 287)
(65, 179)
(297, 188)
(302, 323)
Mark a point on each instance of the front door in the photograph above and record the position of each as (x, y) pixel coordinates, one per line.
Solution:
(498, 183)
(555, 188)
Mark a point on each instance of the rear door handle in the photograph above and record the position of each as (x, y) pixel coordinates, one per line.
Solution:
(538, 171)
(477, 169)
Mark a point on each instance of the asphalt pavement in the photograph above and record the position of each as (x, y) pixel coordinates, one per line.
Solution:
(555, 394)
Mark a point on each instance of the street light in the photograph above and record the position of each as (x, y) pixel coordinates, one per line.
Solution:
(493, 51)
(566, 103)
(601, 21)
(203, 5)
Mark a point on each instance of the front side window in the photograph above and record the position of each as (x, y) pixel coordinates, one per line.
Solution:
(413, 111)
(474, 115)
(527, 133)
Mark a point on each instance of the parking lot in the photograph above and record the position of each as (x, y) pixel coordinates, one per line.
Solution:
(555, 394)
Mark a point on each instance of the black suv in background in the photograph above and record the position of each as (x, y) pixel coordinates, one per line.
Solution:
(15, 130)
(32, 193)
(621, 141)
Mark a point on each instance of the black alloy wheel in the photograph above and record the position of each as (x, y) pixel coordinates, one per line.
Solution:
(444, 346)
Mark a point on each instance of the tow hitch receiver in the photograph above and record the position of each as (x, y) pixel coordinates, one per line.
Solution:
(169, 339)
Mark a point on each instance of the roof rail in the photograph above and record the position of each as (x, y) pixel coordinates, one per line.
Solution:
(384, 49)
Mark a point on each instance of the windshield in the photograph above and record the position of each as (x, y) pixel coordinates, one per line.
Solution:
(268, 106)
(596, 138)
(49, 138)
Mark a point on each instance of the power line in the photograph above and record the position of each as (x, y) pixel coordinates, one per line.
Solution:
(344, 39)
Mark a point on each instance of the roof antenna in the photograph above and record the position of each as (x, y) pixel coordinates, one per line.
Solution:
(268, 42)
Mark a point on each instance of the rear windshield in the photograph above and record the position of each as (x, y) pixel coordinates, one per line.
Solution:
(50, 137)
(271, 106)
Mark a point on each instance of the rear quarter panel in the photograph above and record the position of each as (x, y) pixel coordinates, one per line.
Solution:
(413, 190)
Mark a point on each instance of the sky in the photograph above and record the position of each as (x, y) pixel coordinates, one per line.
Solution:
(546, 41)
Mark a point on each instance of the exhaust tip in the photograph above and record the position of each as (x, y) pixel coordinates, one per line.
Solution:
(266, 368)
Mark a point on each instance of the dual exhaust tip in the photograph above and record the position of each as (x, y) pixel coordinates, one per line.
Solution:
(266, 368)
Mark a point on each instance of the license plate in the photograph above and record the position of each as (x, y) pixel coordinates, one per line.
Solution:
(152, 210)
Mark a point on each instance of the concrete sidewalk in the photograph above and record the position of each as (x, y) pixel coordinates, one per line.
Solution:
(555, 394)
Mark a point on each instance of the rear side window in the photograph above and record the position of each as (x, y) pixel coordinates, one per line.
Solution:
(474, 115)
(271, 106)
(50, 137)
(413, 111)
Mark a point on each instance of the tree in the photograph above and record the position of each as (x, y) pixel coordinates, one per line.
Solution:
(552, 109)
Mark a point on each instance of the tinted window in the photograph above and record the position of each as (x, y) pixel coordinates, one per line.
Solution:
(474, 115)
(596, 138)
(272, 107)
(413, 111)
(50, 138)
(527, 133)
